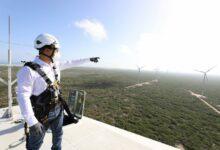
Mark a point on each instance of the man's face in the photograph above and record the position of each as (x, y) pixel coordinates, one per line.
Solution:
(49, 52)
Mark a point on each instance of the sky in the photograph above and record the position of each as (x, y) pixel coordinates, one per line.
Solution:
(167, 35)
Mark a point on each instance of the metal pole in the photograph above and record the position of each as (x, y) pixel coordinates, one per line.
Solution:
(9, 70)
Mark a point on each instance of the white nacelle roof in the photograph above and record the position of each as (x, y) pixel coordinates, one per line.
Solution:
(88, 134)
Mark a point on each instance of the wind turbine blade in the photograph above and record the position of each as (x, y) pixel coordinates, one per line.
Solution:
(143, 66)
(199, 71)
(210, 69)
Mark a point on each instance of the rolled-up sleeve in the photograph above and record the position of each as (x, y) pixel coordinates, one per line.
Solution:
(25, 85)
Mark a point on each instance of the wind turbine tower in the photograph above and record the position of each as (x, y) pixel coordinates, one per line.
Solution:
(205, 78)
(156, 73)
(139, 72)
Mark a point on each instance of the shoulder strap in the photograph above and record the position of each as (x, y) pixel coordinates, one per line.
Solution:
(36, 67)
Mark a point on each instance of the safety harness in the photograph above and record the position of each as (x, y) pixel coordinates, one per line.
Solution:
(47, 100)
(51, 97)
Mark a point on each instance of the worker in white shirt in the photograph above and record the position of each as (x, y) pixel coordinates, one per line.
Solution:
(38, 93)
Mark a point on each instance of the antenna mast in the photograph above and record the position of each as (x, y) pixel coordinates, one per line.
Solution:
(9, 115)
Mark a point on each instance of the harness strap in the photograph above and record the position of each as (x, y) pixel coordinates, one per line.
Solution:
(38, 69)
(26, 133)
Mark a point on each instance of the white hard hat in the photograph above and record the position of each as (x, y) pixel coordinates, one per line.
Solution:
(46, 39)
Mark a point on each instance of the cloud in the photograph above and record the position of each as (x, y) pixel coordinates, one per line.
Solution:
(125, 49)
(185, 40)
(93, 28)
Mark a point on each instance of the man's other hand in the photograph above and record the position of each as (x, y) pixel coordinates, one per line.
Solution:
(37, 129)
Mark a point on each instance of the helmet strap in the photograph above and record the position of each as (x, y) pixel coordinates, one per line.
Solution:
(50, 57)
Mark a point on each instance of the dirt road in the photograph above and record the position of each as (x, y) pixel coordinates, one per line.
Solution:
(201, 98)
(141, 84)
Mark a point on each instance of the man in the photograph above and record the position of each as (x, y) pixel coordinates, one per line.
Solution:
(38, 93)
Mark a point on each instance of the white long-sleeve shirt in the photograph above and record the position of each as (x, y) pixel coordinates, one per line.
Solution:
(72, 63)
(31, 83)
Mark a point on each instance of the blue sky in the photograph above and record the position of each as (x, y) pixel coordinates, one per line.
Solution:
(169, 35)
(122, 21)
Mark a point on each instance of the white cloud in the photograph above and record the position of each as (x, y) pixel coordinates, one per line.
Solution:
(187, 38)
(125, 49)
(93, 28)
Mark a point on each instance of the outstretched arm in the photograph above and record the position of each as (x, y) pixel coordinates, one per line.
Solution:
(74, 63)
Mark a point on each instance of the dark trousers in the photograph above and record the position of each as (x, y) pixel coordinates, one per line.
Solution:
(55, 122)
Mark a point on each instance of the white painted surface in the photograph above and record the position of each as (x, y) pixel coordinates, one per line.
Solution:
(88, 134)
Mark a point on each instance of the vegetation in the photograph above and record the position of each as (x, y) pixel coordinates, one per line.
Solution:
(163, 111)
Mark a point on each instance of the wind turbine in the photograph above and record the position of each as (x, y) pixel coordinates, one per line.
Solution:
(205, 78)
(139, 72)
(156, 70)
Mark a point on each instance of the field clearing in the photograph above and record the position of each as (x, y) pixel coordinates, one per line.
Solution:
(163, 111)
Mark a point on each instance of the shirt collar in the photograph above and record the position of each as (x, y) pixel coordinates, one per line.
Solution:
(41, 62)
